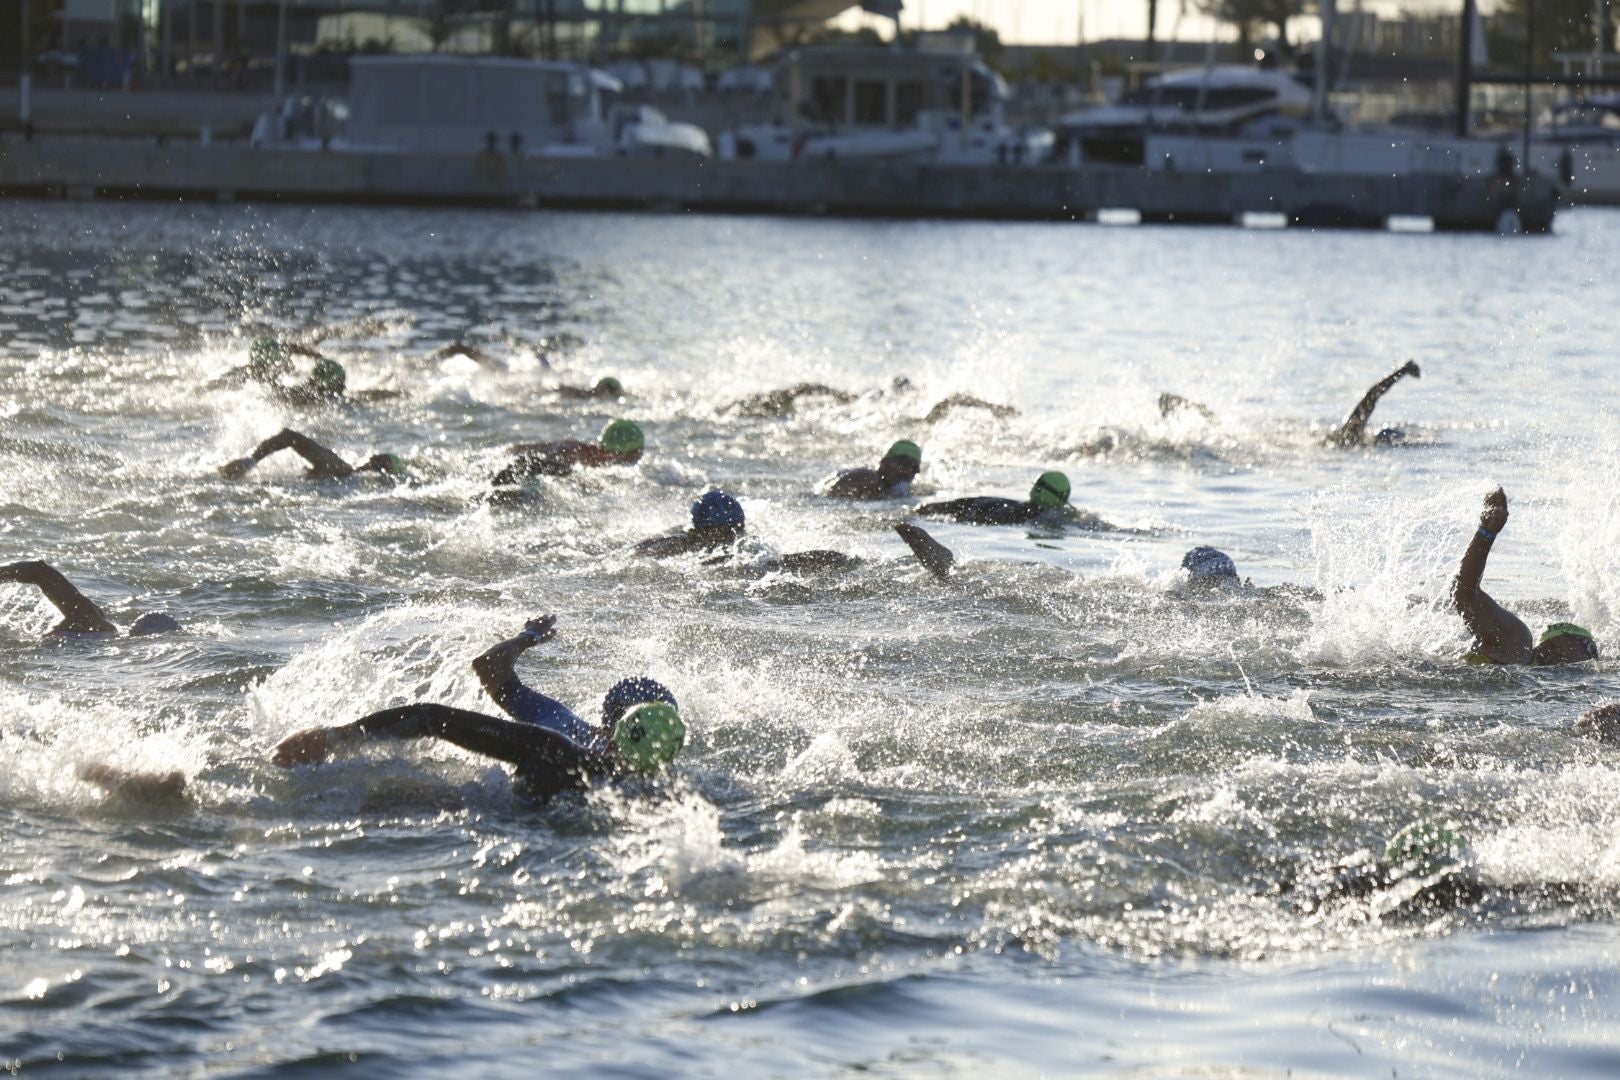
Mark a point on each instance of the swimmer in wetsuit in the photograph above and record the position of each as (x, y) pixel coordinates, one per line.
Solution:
(890, 480)
(1501, 637)
(327, 383)
(781, 402)
(1353, 432)
(607, 388)
(323, 463)
(80, 614)
(620, 443)
(718, 526)
(551, 747)
(1048, 500)
(967, 401)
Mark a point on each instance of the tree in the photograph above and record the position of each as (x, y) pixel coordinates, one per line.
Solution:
(986, 41)
(1249, 17)
(1559, 26)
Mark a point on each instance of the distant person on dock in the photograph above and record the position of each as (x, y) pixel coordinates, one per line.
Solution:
(1501, 637)
(718, 528)
(890, 480)
(552, 749)
(1352, 432)
(621, 443)
(80, 614)
(1048, 502)
(323, 463)
(781, 402)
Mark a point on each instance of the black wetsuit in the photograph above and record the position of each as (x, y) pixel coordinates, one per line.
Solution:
(866, 484)
(985, 510)
(547, 761)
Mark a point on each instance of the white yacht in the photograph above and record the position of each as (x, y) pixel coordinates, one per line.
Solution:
(1579, 141)
(872, 103)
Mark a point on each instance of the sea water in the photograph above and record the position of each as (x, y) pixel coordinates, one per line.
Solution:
(1050, 817)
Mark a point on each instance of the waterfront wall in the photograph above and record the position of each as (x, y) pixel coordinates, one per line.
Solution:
(132, 168)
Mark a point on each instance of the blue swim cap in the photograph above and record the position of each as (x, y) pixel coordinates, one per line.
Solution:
(1207, 562)
(627, 693)
(716, 509)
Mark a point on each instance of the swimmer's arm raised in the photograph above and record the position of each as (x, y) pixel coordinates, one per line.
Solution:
(496, 666)
(80, 614)
(1354, 428)
(322, 462)
(1498, 633)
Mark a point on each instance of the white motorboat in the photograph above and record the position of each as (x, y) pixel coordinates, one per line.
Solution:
(855, 104)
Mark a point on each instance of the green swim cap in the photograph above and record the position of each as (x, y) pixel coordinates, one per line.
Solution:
(329, 376)
(609, 385)
(1423, 847)
(649, 735)
(1564, 629)
(1051, 490)
(623, 437)
(905, 448)
(393, 464)
(266, 353)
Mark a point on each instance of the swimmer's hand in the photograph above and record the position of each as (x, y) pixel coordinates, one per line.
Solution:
(1411, 368)
(1495, 514)
(308, 747)
(542, 629)
(235, 470)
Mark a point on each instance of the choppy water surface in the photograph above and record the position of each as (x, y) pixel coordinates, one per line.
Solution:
(1050, 817)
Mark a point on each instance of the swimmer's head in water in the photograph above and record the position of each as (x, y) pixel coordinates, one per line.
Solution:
(1390, 436)
(902, 460)
(1564, 643)
(717, 510)
(648, 736)
(1423, 847)
(391, 464)
(628, 693)
(609, 385)
(329, 376)
(1206, 564)
(153, 623)
(1051, 490)
(623, 437)
(265, 355)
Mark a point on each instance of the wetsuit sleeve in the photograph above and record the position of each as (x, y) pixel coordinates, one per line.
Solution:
(857, 484)
(80, 614)
(544, 758)
(951, 508)
(322, 462)
(495, 670)
(1499, 635)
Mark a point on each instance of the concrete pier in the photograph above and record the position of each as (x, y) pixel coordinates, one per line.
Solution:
(142, 169)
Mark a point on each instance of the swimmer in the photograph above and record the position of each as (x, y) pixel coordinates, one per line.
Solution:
(1353, 432)
(1601, 723)
(1174, 403)
(718, 526)
(80, 614)
(890, 480)
(157, 790)
(967, 401)
(552, 748)
(323, 463)
(607, 388)
(780, 402)
(1426, 857)
(461, 348)
(620, 443)
(270, 360)
(1501, 637)
(1048, 501)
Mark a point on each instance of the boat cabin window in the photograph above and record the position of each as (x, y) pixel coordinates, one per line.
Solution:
(827, 95)
(871, 102)
(557, 112)
(908, 102)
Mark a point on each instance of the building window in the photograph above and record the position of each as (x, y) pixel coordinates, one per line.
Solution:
(871, 102)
